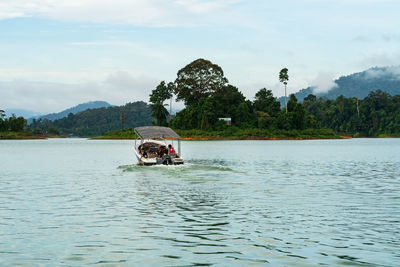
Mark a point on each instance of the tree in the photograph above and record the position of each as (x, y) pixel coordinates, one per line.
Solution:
(157, 98)
(266, 102)
(16, 124)
(2, 122)
(198, 80)
(296, 113)
(122, 118)
(226, 100)
(284, 78)
(171, 89)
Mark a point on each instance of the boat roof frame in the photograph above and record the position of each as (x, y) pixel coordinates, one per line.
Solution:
(156, 132)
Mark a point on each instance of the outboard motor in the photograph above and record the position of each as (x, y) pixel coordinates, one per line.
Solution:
(166, 160)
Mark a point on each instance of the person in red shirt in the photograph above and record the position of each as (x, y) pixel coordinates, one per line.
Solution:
(171, 150)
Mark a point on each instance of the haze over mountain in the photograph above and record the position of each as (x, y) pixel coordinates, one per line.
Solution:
(73, 110)
(18, 112)
(97, 121)
(357, 85)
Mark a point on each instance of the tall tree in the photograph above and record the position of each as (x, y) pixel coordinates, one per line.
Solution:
(284, 78)
(2, 122)
(157, 106)
(171, 89)
(198, 80)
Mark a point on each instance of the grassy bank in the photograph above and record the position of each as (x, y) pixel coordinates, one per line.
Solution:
(234, 133)
(119, 134)
(22, 135)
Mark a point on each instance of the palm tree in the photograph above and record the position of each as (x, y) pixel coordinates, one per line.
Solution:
(284, 78)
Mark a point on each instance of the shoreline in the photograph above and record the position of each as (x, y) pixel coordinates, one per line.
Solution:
(25, 136)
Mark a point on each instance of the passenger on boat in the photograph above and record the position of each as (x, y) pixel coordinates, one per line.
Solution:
(162, 150)
(171, 150)
(143, 154)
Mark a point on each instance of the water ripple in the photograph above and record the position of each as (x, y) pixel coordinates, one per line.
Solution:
(294, 203)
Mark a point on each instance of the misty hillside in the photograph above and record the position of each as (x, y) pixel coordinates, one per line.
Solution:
(73, 110)
(21, 113)
(94, 122)
(359, 85)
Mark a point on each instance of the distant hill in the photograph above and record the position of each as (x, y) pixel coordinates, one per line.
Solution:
(359, 84)
(21, 113)
(95, 122)
(73, 110)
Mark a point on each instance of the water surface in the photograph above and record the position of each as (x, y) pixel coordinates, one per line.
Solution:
(80, 202)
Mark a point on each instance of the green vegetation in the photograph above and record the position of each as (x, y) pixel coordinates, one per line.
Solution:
(96, 122)
(157, 99)
(359, 84)
(255, 133)
(15, 128)
(208, 97)
(284, 78)
(118, 134)
(376, 115)
(12, 124)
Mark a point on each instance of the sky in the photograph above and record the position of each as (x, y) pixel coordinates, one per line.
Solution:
(55, 54)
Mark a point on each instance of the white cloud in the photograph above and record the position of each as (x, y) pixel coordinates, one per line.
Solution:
(134, 12)
(119, 88)
(199, 7)
(323, 83)
(390, 72)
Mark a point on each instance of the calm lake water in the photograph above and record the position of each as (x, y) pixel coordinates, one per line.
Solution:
(77, 202)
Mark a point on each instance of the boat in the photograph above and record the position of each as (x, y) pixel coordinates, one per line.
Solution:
(154, 142)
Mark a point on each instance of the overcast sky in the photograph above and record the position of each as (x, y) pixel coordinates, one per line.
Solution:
(55, 54)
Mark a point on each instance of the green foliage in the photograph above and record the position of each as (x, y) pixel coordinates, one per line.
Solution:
(256, 133)
(12, 124)
(118, 134)
(198, 80)
(284, 76)
(359, 84)
(378, 114)
(95, 122)
(266, 102)
(157, 98)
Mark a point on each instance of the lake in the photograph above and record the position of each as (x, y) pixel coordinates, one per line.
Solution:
(77, 202)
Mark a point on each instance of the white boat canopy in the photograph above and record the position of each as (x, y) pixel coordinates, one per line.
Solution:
(154, 132)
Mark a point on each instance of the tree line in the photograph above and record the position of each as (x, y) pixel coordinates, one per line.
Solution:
(95, 122)
(11, 124)
(208, 96)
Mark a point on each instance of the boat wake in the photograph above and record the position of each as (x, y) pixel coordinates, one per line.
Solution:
(190, 165)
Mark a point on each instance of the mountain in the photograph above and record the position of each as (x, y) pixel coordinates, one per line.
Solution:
(359, 84)
(21, 113)
(95, 122)
(73, 110)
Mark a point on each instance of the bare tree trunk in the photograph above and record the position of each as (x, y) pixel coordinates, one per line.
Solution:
(170, 109)
(285, 99)
(358, 110)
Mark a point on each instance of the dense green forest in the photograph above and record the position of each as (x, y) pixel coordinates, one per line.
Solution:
(13, 127)
(11, 124)
(94, 122)
(378, 114)
(359, 84)
(73, 110)
(208, 96)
